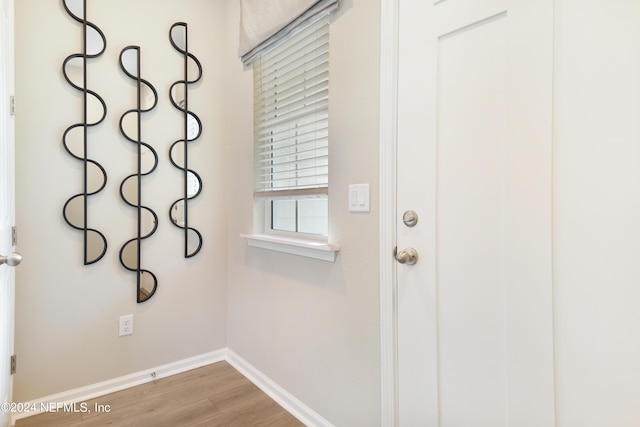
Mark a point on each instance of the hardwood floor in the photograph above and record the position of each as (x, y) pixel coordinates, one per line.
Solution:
(214, 395)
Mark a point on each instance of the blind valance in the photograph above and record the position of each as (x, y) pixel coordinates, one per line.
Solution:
(264, 23)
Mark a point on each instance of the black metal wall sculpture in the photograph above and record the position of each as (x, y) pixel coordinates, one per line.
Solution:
(179, 151)
(147, 161)
(75, 138)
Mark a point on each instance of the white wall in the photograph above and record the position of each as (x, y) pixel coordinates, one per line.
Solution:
(597, 213)
(66, 313)
(313, 326)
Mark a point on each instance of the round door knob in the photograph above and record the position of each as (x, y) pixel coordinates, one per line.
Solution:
(407, 256)
(11, 260)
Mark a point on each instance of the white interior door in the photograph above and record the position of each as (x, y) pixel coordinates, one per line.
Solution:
(474, 314)
(6, 203)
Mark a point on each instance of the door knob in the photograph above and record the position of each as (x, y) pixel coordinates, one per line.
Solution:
(407, 256)
(11, 260)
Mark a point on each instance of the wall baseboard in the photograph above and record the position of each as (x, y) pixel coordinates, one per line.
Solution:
(294, 406)
(298, 409)
(120, 383)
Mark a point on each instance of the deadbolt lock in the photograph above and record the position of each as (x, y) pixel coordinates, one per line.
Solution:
(410, 218)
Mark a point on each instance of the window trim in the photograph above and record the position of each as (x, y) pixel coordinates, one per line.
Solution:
(302, 247)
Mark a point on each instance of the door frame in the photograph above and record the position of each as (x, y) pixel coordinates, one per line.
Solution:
(389, 27)
(6, 417)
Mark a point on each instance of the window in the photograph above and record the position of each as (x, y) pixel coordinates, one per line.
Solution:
(291, 135)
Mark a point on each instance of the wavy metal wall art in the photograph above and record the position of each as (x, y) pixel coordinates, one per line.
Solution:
(147, 161)
(75, 138)
(179, 152)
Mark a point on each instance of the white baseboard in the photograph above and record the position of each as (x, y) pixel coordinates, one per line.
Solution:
(298, 409)
(92, 391)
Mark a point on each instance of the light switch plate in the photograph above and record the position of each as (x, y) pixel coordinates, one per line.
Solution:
(359, 198)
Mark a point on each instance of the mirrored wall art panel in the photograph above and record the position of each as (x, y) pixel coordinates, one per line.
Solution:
(75, 138)
(146, 162)
(192, 128)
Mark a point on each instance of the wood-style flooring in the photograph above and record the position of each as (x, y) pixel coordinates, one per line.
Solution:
(214, 395)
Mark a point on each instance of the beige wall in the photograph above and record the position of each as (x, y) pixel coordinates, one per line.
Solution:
(313, 326)
(67, 314)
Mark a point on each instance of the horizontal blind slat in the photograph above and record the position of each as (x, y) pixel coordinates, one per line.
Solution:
(301, 171)
(303, 110)
(279, 157)
(317, 76)
(274, 156)
(300, 167)
(318, 119)
(272, 71)
(283, 194)
(312, 95)
(319, 129)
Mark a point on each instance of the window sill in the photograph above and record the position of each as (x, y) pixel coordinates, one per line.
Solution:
(306, 248)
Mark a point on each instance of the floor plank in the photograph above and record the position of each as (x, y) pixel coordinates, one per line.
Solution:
(214, 395)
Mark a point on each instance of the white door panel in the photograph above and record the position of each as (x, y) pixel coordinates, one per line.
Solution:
(470, 218)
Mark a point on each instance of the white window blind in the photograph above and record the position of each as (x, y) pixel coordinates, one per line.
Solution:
(291, 93)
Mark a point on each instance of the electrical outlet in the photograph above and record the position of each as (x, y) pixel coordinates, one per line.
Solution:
(126, 325)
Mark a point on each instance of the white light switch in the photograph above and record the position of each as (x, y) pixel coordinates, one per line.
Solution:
(359, 198)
